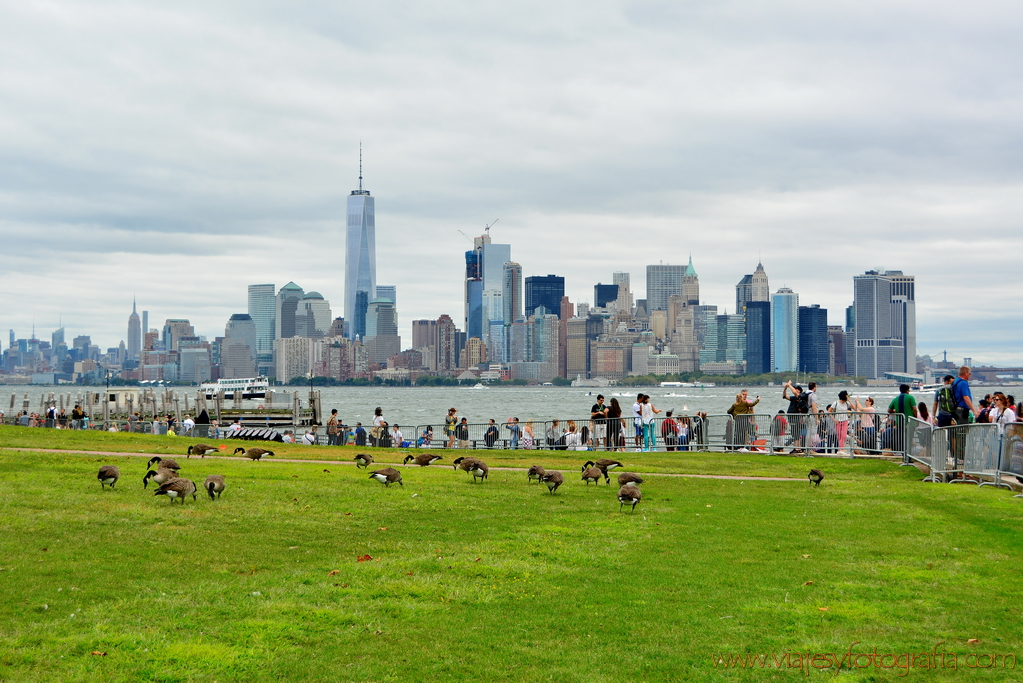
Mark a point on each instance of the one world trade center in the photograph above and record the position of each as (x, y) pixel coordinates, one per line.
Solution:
(360, 259)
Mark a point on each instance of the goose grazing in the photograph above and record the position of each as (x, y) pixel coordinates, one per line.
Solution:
(592, 474)
(108, 474)
(605, 464)
(363, 460)
(164, 463)
(815, 477)
(177, 488)
(464, 463)
(160, 477)
(535, 472)
(479, 470)
(387, 476)
(253, 453)
(553, 479)
(629, 478)
(629, 495)
(215, 485)
(423, 459)
(201, 449)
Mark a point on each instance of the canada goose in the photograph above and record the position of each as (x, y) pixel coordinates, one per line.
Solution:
(387, 476)
(423, 459)
(535, 472)
(605, 464)
(363, 460)
(164, 463)
(464, 463)
(629, 494)
(629, 478)
(214, 484)
(553, 479)
(108, 474)
(479, 470)
(592, 474)
(815, 477)
(201, 449)
(160, 477)
(253, 453)
(177, 488)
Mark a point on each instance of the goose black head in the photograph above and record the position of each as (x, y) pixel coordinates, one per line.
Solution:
(145, 480)
(454, 463)
(210, 487)
(269, 453)
(189, 451)
(154, 459)
(407, 458)
(238, 450)
(588, 463)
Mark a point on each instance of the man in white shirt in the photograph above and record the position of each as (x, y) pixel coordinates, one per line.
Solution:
(188, 424)
(637, 420)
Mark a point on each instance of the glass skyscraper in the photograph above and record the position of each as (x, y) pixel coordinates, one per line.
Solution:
(785, 330)
(360, 258)
(546, 291)
(814, 355)
(758, 337)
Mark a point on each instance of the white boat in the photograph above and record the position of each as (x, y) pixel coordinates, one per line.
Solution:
(480, 385)
(250, 387)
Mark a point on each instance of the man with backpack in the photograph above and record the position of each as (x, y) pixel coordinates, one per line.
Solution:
(945, 403)
(799, 406)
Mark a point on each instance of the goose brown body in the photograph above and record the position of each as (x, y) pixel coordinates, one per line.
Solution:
(160, 477)
(592, 474)
(535, 472)
(201, 449)
(553, 479)
(363, 460)
(464, 463)
(387, 476)
(479, 470)
(629, 478)
(108, 474)
(629, 495)
(164, 463)
(816, 477)
(423, 459)
(177, 489)
(214, 484)
(253, 453)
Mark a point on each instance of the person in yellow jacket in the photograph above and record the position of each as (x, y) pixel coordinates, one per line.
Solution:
(743, 426)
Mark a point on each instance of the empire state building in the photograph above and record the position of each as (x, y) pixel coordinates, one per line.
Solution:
(360, 259)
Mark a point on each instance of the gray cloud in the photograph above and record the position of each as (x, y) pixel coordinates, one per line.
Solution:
(182, 152)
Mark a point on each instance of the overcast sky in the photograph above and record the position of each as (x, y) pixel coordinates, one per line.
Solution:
(181, 151)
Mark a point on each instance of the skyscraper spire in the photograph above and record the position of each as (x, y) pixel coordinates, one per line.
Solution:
(360, 166)
(133, 304)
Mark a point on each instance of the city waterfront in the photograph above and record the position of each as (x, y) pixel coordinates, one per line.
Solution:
(428, 405)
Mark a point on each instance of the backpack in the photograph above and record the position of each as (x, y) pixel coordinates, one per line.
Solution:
(947, 399)
(803, 404)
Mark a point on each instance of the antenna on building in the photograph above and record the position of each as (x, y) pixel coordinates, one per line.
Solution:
(360, 166)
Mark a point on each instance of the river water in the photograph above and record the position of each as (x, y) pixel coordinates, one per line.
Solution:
(428, 405)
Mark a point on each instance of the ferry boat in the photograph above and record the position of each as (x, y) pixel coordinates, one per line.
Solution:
(250, 387)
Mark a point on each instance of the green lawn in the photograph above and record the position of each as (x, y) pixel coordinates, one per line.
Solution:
(497, 581)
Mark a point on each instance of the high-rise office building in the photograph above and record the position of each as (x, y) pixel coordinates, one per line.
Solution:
(624, 302)
(836, 350)
(313, 316)
(134, 334)
(145, 326)
(238, 349)
(382, 340)
(546, 291)
(360, 258)
(484, 275)
(758, 337)
(512, 292)
(813, 339)
(286, 311)
(447, 344)
(665, 281)
(753, 287)
(604, 294)
(885, 323)
(725, 341)
(785, 330)
(173, 331)
(388, 292)
(263, 311)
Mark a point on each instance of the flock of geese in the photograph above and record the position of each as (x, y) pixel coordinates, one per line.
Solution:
(177, 488)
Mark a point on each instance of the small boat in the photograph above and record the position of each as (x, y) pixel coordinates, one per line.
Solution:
(480, 385)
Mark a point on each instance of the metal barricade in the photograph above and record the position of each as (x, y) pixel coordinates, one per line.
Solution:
(975, 449)
(1010, 461)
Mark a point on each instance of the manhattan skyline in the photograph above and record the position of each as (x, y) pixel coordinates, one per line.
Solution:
(825, 143)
